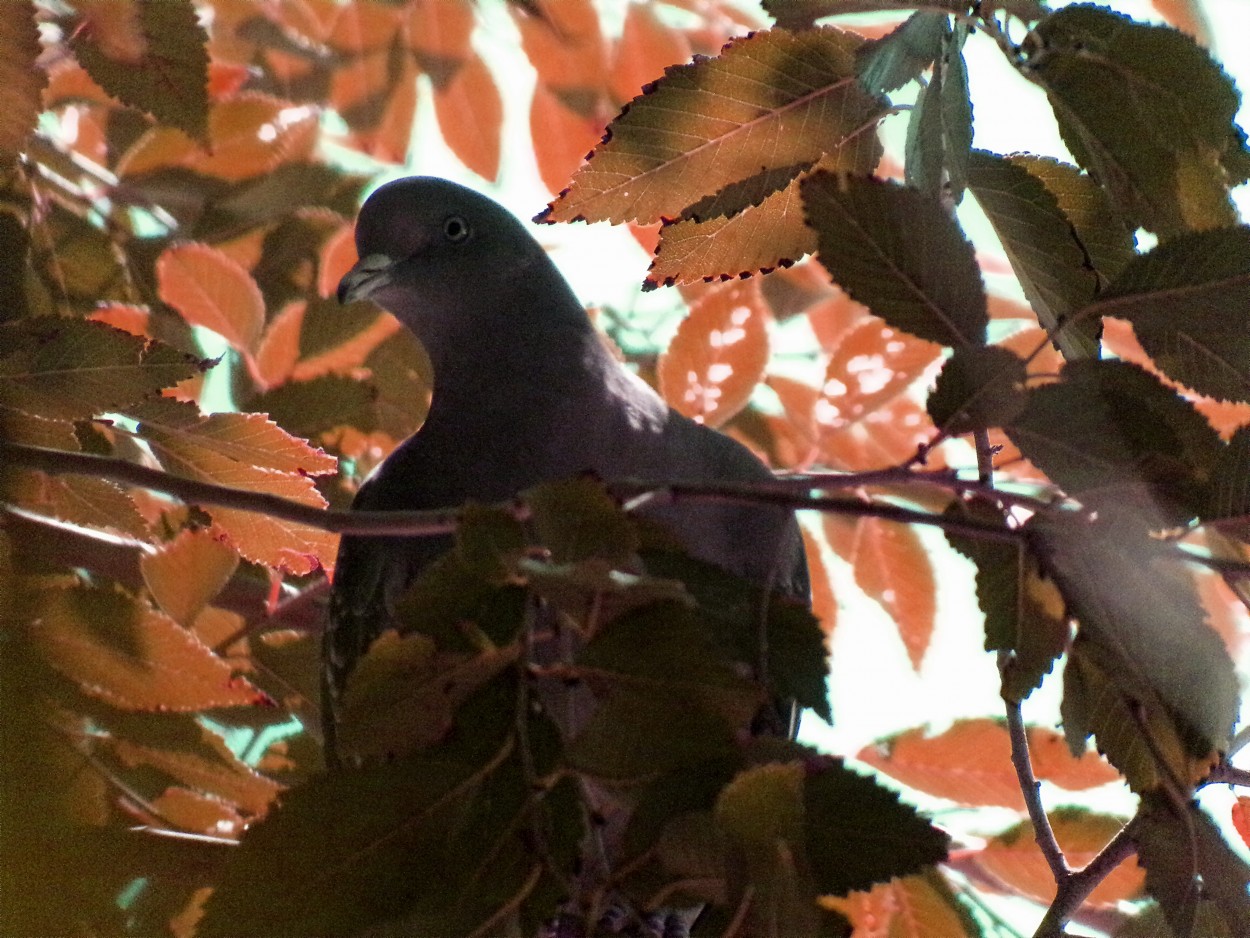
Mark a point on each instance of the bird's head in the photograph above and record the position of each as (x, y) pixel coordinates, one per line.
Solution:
(429, 248)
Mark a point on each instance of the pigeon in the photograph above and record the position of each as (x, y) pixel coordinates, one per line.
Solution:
(525, 391)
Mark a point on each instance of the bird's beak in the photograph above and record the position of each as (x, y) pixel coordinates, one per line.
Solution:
(370, 273)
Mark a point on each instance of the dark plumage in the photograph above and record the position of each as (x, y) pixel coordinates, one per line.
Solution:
(524, 392)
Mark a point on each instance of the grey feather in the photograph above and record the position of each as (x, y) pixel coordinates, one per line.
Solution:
(524, 392)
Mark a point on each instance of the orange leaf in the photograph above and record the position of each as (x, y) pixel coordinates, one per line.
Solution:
(358, 80)
(893, 568)
(338, 254)
(1014, 859)
(209, 289)
(68, 83)
(798, 400)
(886, 437)
(21, 81)
(908, 907)
(363, 27)
(1054, 762)
(969, 763)
(200, 814)
(718, 355)
(872, 364)
(564, 44)
(225, 79)
(561, 136)
(470, 115)
(226, 778)
(123, 316)
(121, 650)
(824, 605)
(833, 318)
(114, 28)
(646, 46)
(388, 140)
(438, 31)
(279, 347)
(343, 358)
(184, 574)
(1240, 815)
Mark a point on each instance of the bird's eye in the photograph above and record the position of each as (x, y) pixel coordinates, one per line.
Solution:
(456, 229)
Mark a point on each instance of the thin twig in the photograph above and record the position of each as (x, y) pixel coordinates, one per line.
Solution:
(1030, 787)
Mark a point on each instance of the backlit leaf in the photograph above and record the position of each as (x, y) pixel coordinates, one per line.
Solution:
(209, 289)
(769, 100)
(1014, 859)
(119, 649)
(20, 81)
(61, 367)
(892, 566)
(562, 135)
(900, 254)
(470, 115)
(646, 46)
(909, 906)
(1111, 82)
(185, 573)
(1054, 762)
(718, 355)
(888, 63)
(871, 365)
(190, 811)
(969, 763)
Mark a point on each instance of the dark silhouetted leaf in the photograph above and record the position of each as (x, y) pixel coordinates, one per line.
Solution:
(68, 368)
(769, 100)
(888, 63)
(165, 73)
(576, 520)
(1112, 82)
(1042, 244)
(1107, 431)
(1198, 881)
(900, 254)
(979, 388)
(1189, 302)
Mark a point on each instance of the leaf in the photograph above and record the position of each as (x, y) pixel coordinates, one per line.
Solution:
(21, 82)
(1199, 882)
(858, 833)
(1110, 433)
(892, 566)
(923, 151)
(969, 763)
(1189, 302)
(1151, 629)
(1013, 858)
(956, 103)
(119, 649)
(979, 388)
(184, 574)
(1024, 612)
(718, 356)
(576, 519)
(1053, 762)
(562, 135)
(245, 451)
(1042, 244)
(900, 254)
(69, 368)
(888, 63)
(209, 289)
(190, 811)
(753, 225)
(769, 100)
(1111, 81)
(1230, 496)
(871, 365)
(172, 84)
(909, 906)
(646, 46)
(470, 115)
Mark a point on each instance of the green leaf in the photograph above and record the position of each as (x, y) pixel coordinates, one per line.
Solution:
(1113, 84)
(903, 54)
(1111, 434)
(956, 104)
(1230, 494)
(1042, 244)
(442, 842)
(770, 99)
(576, 519)
(979, 387)
(923, 156)
(859, 833)
(308, 408)
(899, 253)
(1024, 613)
(1141, 611)
(1197, 878)
(170, 80)
(70, 368)
(1189, 302)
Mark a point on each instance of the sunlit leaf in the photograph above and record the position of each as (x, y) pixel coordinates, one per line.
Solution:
(718, 355)
(769, 100)
(470, 115)
(119, 649)
(185, 573)
(200, 814)
(1013, 857)
(645, 48)
(892, 566)
(1054, 762)
(909, 906)
(211, 290)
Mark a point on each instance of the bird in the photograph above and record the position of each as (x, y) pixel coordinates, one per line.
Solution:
(525, 391)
